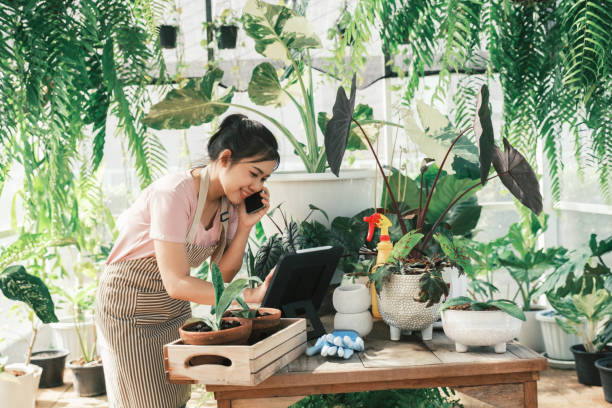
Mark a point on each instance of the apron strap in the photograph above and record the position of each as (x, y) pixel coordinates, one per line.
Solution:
(223, 231)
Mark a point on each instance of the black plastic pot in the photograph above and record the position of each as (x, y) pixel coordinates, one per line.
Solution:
(585, 364)
(167, 36)
(88, 380)
(604, 365)
(228, 34)
(52, 362)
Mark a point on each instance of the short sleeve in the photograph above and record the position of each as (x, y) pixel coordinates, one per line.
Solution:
(169, 215)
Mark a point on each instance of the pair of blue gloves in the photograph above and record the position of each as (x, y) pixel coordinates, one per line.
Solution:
(341, 343)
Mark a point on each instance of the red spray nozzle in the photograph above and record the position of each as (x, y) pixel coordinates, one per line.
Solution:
(372, 220)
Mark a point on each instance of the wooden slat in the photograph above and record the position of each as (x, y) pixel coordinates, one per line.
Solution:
(297, 388)
(276, 402)
(273, 367)
(499, 396)
(289, 328)
(273, 354)
(523, 352)
(444, 349)
(383, 353)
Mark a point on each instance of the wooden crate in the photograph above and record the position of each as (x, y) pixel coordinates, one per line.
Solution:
(243, 365)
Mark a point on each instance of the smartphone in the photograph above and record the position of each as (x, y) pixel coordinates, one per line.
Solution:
(253, 203)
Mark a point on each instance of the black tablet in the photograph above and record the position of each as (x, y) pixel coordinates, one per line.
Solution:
(300, 282)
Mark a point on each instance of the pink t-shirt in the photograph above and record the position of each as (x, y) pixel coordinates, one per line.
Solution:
(165, 211)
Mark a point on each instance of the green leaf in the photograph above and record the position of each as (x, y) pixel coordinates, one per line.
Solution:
(508, 307)
(217, 281)
(231, 293)
(192, 105)
(315, 208)
(517, 175)
(381, 273)
(448, 188)
(456, 301)
(483, 129)
(463, 217)
(455, 252)
(405, 190)
(17, 284)
(402, 248)
(277, 29)
(292, 240)
(265, 88)
(338, 128)
(267, 256)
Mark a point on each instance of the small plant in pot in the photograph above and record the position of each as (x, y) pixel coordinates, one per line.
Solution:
(226, 26)
(527, 265)
(217, 329)
(266, 320)
(420, 255)
(17, 284)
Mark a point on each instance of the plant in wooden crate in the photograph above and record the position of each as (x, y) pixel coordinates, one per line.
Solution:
(414, 261)
(17, 284)
(217, 329)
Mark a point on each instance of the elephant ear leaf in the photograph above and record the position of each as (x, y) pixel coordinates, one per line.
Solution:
(192, 105)
(17, 284)
(292, 239)
(338, 127)
(265, 87)
(267, 256)
(277, 30)
(483, 129)
(518, 176)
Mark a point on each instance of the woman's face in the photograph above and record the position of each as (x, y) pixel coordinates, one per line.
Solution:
(246, 177)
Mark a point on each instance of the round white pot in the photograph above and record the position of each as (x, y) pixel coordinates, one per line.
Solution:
(65, 336)
(531, 333)
(360, 322)
(398, 308)
(557, 343)
(20, 393)
(480, 328)
(345, 196)
(352, 298)
(348, 279)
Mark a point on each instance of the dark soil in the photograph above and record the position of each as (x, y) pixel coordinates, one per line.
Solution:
(259, 314)
(467, 306)
(81, 362)
(203, 327)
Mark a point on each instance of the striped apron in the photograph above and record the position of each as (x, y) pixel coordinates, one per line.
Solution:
(135, 317)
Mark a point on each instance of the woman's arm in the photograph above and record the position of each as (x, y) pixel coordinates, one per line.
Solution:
(174, 268)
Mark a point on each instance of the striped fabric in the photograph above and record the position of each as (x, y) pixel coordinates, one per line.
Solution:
(135, 317)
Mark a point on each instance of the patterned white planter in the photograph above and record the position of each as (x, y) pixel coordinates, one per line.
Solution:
(22, 392)
(480, 328)
(399, 309)
(557, 343)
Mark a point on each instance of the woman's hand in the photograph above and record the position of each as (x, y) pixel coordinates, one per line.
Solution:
(246, 221)
(257, 294)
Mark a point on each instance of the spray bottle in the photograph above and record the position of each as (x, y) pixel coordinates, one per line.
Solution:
(384, 249)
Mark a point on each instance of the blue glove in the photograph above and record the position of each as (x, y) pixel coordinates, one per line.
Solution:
(341, 343)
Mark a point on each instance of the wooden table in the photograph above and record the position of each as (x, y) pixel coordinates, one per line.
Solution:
(502, 380)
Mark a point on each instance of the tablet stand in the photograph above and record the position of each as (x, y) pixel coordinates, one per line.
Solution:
(305, 307)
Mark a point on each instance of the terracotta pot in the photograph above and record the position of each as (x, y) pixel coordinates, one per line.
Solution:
(235, 335)
(263, 325)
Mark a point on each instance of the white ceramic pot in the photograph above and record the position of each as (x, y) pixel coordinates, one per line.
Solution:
(398, 308)
(352, 298)
(360, 322)
(557, 343)
(345, 196)
(65, 336)
(20, 393)
(348, 279)
(531, 333)
(480, 328)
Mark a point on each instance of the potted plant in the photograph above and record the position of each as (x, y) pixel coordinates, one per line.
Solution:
(586, 314)
(584, 262)
(415, 260)
(265, 320)
(527, 265)
(18, 384)
(167, 36)
(217, 329)
(226, 29)
(17, 284)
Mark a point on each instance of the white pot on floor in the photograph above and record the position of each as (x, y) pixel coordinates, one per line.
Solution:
(65, 336)
(557, 343)
(20, 392)
(480, 328)
(531, 332)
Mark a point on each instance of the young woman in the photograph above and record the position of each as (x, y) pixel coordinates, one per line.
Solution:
(176, 223)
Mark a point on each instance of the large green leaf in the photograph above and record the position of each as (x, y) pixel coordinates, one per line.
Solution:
(508, 307)
(267, 256)
(448, 188)
(463, 216)
(483, 129)
(349, 232)
(218, 284)
(17, 284)
(455, 251)
(265, 88)
(402, 248)
(518, 176)
(277, 29)
(292, 240)
(192, 105)
(231, 293)
(456, 301)
(405, 190)
(338, 128)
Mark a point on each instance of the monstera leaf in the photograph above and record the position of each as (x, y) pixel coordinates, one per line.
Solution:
(436, 137)
(483, 129)
(267, 256)
(277, 30)
(518, 176)
(338, 128)
(265, 87)
(190, 106)
(356, 139)
(17, 284)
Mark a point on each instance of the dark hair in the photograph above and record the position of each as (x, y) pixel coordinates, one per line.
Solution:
(244, 138)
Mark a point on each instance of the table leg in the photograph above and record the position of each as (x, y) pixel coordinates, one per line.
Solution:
(530, 388)
(224, 403)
